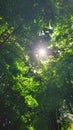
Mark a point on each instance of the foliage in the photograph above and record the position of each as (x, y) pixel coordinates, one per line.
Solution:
(36, 93)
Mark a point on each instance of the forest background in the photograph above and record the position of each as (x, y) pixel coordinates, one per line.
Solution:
(36, 91)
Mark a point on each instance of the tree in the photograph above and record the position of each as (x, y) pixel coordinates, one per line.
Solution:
(32, 87)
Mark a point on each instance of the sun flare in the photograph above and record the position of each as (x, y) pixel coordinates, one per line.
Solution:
(42, 52)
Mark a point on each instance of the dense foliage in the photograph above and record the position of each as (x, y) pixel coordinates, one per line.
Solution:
(36, 93)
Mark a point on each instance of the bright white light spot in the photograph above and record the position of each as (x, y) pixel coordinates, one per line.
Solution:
(70, 44)
(42, 53)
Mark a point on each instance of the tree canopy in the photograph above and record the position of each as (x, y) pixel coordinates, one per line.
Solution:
(36, 88)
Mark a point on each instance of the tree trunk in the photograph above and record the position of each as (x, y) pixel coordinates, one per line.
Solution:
(53, 124)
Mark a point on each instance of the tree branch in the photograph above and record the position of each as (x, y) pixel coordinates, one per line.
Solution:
(14, 31)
